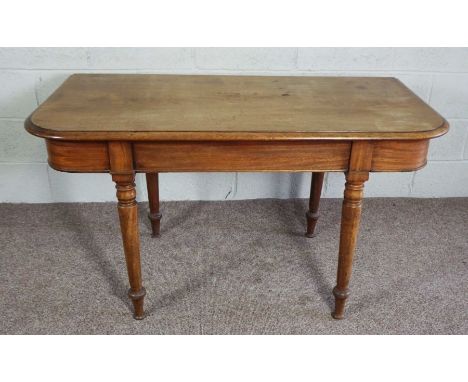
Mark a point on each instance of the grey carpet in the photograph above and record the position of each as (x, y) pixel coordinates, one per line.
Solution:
(235, 267)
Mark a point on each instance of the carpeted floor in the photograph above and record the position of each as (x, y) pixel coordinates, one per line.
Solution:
(235, 267)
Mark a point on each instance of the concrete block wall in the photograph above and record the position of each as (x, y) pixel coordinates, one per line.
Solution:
(29, 75)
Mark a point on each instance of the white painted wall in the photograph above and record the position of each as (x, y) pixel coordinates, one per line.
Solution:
(29, 75)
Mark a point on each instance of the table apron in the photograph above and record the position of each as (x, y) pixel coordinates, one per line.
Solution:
(200, 156)
(241, 156)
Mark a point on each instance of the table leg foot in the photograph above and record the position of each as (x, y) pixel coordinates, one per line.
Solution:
(137, 298)
(311, 223)
(340, 301)
(155, 219)
(315, 191)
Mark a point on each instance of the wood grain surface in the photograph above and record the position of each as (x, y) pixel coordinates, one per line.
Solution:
(153, 107)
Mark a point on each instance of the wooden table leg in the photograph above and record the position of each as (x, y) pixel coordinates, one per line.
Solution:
(123, 175)
(152, 183)
(315, 191)
(128, 215)
(358, 173)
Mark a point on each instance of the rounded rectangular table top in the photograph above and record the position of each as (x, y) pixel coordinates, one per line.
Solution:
(194, 107)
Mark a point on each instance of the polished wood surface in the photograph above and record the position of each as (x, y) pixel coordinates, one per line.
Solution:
(124, 124)
(241, 156)
(399, 155)
(155, 107)
(182, 156)
(78, 156)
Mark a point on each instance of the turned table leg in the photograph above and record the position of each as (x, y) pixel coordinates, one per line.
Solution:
(128, 216)
(350, 218)
(152, 183)
(124, 178)
(312, 214)
(358, 173)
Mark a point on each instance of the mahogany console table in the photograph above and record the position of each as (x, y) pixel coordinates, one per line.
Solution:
(124, 124)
